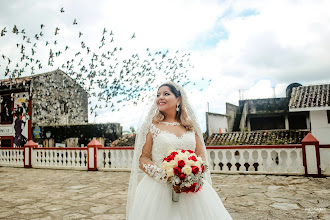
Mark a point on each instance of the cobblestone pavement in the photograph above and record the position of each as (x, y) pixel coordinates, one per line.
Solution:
(67, 194)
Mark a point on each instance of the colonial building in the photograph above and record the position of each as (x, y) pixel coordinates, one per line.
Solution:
(261, 121)
(267, 114)
(315, 101)
(51, 98)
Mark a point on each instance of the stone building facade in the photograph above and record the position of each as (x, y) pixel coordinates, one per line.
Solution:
(267, 114)
(51, 98)
(57, 100)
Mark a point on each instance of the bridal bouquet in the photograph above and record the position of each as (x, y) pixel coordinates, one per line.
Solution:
(185, 169)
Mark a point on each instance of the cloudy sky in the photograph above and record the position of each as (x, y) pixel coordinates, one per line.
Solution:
(248, 49)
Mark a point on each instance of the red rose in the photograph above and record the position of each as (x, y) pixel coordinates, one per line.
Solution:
(195, 169)
(192, 188)
(202, 168)
(177, 171)
(192, 158)
(182, 176)
(183, 151)
(190, 151)
(174, 153)
(181, 163)
(168, 159)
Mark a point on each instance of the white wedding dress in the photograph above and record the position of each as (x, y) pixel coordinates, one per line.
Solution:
(153, 198)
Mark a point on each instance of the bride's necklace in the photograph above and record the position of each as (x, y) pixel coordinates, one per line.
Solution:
(170, 123)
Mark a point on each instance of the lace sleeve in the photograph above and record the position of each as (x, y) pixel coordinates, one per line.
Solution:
(147, 165)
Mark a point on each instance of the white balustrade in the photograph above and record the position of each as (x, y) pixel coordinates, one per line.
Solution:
(13, 157)
(248, 160)
(60, 158)
(114, 159)
(325, 161)
(259, 161)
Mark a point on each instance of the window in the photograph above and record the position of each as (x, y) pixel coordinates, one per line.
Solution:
(6, 142)
(297, 122)
(328, 114)
(6, 110)
(267, 123)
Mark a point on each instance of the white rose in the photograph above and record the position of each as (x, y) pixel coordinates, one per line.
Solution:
(185, 155)
(165, 165)
(177, 158)
(170, 172)
(186, 170)
(191, 163)
(172, 163)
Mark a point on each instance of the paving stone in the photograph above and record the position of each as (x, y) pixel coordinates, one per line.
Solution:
(67, 194)
(100, 208)
(285, 206)
(43, 218)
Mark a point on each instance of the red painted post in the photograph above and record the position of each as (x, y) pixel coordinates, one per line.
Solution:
(28, 148)
(311, 156)
(92, 154)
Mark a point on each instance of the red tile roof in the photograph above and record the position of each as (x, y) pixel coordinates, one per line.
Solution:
(310, 96)
(257, 138)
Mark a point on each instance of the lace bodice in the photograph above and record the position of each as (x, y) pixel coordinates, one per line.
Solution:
(164, 142)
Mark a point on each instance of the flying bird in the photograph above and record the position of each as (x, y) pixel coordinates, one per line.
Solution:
(15, 30)
(3, 31)
(99, 69)
(56, 30)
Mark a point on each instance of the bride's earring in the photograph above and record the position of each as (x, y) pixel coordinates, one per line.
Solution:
(177, 107)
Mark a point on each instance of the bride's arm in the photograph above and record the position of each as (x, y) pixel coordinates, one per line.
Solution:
(199, 148)
(146, 163)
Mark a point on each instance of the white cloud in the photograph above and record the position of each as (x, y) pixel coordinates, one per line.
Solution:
(262, 44)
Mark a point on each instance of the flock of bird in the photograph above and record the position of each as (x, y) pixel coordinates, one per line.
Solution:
(106, 73)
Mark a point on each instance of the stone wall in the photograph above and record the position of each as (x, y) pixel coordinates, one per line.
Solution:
(57, 100)
(231, 112)
(216, 123)
(108, 132)
(273, 105)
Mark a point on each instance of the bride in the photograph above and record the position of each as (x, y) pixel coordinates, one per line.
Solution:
(170, 125)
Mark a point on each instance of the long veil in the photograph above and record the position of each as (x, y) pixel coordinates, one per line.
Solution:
(141, 140)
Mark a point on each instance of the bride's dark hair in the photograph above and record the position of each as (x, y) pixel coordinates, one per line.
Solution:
(181, 115)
